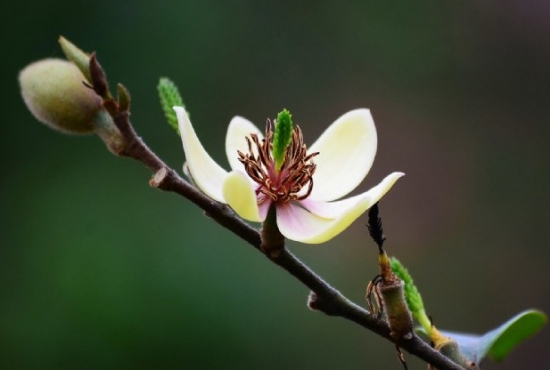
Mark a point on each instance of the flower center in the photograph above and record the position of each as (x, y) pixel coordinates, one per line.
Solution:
(295, 173)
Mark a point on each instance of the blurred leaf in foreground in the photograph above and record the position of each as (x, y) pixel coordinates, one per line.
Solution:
(499, 342)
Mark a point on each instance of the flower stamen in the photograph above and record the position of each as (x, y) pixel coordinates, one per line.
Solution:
(286, 183)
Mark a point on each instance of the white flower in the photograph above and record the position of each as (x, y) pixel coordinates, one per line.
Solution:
(305, 189)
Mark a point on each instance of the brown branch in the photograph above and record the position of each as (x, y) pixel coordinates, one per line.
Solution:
(323, 296)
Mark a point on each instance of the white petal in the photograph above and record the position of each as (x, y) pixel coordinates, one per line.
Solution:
(239, 193)
(346, 151)
(336, 208)
(298, 224)
(239, 128)
(207, 174)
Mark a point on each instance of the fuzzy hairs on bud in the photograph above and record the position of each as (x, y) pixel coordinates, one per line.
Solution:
(54, 92)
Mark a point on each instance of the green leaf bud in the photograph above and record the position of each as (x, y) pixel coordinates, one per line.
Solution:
(54, 92)
(169, 97)
(412, 295)
(282, 137)
(77, 56)
(124, 98)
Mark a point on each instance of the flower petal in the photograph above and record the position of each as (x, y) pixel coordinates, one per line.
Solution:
(300, 225)
(239, 193)
(335, 209)
(239, 128)
(346, 151)
(207, 174)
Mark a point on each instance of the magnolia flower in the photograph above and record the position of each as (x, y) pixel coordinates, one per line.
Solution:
(305, 189)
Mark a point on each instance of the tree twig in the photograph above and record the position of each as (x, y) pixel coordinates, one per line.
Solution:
(323, 296)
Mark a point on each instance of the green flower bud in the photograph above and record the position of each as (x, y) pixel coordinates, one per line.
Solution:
(54, 92)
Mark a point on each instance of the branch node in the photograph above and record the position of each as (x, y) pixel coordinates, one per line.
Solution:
(329, 304)
(159, 177)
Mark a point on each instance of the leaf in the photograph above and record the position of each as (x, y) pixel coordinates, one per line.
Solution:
(80, 59)
(499, 342)
(169, 97)
(412, 295)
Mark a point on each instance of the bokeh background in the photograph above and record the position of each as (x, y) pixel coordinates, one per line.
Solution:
(99, 271)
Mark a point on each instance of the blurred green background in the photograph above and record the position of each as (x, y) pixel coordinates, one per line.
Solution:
(99, 271)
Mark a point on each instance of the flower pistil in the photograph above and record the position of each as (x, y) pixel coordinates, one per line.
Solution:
(292, 181)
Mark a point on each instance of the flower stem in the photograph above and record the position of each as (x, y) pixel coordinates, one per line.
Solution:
(272, 239)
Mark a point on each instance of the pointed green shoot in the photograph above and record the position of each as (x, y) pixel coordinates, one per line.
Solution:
(169, 97)
(499, 342)
(412, 295)
(77, 56)
(282, 137)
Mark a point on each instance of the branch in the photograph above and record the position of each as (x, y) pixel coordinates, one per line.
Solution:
(323, 296)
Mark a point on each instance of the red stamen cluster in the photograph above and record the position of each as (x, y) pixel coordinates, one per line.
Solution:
(296, 171)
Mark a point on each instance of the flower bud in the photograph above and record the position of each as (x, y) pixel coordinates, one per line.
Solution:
(54, 92)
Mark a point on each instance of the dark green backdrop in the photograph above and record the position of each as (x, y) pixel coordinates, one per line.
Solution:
(99, 271)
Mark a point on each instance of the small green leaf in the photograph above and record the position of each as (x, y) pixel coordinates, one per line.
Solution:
(77, 56)
(169, 97)
(499, 342)
(123, 97)
(282, 137)
(412, 295)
